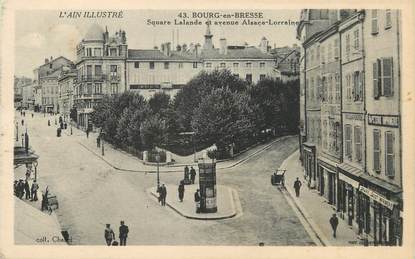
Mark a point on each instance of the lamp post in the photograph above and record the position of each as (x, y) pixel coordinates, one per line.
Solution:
(102, 142)
(35, 163)
(158, 173)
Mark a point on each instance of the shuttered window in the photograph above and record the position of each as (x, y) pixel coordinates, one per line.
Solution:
(375, 28)
(388, 19)
(358, 143)
(348, 141)
(376, 151)
(387, 73)
(376, 81)
(389, 154)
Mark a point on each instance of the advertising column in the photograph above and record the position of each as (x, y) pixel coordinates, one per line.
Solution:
(207, 184)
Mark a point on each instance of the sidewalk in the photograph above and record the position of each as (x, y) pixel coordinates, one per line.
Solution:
(123, 161)
(315, 208)
(187, 208)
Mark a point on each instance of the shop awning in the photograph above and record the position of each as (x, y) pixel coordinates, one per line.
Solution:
(350, 170)
(382, 183)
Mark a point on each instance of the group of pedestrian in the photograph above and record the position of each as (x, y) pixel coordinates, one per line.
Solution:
(22, 189)
(109, 235)
(189, 173)
(334, 221)
(162, 191)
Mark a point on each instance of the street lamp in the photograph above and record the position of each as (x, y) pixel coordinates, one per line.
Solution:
(158, 173)
(35, 163)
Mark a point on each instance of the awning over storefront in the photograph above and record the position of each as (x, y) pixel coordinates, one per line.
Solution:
(349, 174)
(382, 183)
(327, 163)
(377, 197)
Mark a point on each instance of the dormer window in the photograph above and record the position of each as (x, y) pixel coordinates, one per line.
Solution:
(113, 52)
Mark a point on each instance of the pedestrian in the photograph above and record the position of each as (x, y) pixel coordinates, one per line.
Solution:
(27, 190)
(192, 174)
(22, 122)
(98, 141)
(48, 122)
(163, 195)
(181, 191)
(123, 233)
(186, 175)
(35, 187)
(28, 172)
(32, 115)
(15, 188)
(20, 188)
(297, 186)
(197, 200)
(334, 221)
(109, 234)
(87, 132)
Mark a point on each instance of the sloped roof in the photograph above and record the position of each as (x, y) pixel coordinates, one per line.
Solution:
(54, 74)
(236, 53)
(155, 54)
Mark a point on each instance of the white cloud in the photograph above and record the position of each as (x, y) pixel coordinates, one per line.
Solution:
(32, 40)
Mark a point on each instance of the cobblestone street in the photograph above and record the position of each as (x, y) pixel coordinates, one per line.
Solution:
(91, 193)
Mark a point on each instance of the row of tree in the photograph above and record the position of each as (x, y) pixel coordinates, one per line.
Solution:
(217, 106)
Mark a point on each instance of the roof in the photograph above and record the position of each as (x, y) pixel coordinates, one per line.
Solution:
(54, 74)
(236, 53)
(31, 225)
(155, 54)
(382, 183)
(54, 60)
(95, 32)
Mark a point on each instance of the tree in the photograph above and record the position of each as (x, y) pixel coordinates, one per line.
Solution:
(223, 118)
(190, 96)
(152, 131)
(159, 102)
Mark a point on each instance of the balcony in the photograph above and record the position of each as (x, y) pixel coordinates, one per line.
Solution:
(88, 96)
(114, 78)
(91, 78)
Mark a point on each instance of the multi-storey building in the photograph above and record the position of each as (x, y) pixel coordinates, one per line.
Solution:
(27, 96)
(105, 65)
(47, 76)
(360, 118)
(100, 69)
(381, 186)
(328, 54)
(287, 61)
(66, 84)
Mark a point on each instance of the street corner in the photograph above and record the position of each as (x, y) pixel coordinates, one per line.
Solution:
(227, 201)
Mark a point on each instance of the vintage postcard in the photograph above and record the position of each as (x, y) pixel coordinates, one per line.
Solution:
(216, 131)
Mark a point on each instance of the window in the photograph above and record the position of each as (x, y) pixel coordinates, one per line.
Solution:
(208, 65)
(338, 89)
(248, 78)
(98, 88)
(113, 70)
(348, 141)
(383, 77)
(324, 133)
(348, 88)
(376, 150)
(97, 52)
(194, 64)
(222, 65)
(89, 71)
(180, 65)
(324, 89)
(235, 65)
(262, 65)
(358, 143)
(261, 77)
(318, 91)
(98, 70)
(249, 65)
(151, 65)
(348, 46)
(358, 86)
(375, 28)
(336, 49)
(389, 154)
(136, 64)
(89, 88)
(88, 52)
(356, 39)
(114, 88)
(113, 52)
(388, 19)
(166, 65)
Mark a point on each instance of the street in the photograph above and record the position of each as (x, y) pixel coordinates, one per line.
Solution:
(91, 194)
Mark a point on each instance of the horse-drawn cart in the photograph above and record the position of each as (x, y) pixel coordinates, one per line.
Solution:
(277, 178)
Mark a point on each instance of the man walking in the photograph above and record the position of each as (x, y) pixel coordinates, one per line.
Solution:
(163, 194)
(123, 233)
(192, 174)
(297, 186)
(197, 201)
(186, 175)
(334, 221)
(109, 235)
(181, 191)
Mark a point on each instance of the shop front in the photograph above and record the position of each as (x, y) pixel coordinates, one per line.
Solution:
(310, 164)
(383, 207)
(348, 194)
(327, 179)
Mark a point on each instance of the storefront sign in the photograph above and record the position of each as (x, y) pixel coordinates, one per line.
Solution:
(376, 197)
(354, 116)
(349, 180)
(383, 120)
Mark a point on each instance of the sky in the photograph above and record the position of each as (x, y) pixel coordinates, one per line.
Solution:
(40, 34)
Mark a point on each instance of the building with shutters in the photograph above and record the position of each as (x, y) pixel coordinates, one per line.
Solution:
(353, 88)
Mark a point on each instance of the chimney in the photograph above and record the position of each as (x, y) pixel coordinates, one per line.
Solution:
(46, 60)
(263, 46)
(168, 49)
(223, 47)
(178, 48)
